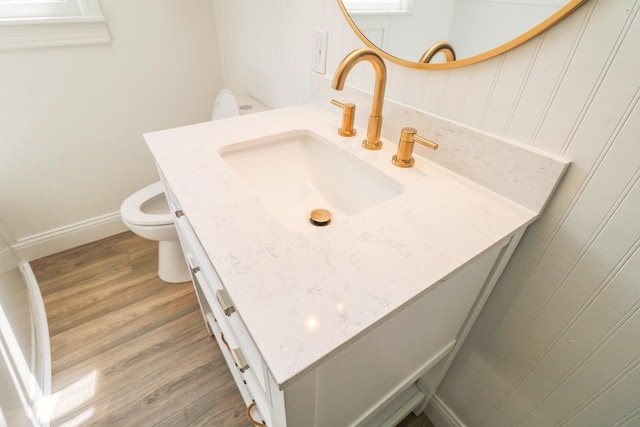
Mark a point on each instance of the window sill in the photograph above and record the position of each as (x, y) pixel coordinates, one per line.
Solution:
(45, 32)
(380, 12)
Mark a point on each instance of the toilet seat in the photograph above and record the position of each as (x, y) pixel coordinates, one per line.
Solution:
(147, 206)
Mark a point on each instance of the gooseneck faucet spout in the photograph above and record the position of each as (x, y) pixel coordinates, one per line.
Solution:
(444, 47)
(375, 119)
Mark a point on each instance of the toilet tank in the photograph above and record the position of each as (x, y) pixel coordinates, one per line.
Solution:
(249, 105)
(229, 105)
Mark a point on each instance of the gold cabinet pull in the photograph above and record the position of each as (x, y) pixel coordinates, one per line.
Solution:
(348, 116)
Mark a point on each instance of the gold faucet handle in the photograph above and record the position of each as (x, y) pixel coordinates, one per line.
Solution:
(408, 137)
(348, 116)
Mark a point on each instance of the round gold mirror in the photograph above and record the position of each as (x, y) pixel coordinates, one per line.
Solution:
(439, 34)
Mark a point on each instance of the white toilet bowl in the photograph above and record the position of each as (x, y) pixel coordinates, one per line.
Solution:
(147, 213)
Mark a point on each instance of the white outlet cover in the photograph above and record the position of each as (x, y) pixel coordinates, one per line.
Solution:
(319, 51)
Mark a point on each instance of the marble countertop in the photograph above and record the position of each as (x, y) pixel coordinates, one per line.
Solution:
(304, 296)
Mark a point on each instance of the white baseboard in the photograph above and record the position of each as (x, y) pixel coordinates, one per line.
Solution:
(70, 236)
(441, 415)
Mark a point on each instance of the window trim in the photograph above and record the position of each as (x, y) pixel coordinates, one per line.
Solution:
(89, 27)
(372, 6)
(13, 9)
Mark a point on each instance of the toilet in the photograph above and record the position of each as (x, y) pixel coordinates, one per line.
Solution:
(147, 214)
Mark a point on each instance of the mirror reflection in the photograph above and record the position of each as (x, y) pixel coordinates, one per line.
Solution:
(407, 29)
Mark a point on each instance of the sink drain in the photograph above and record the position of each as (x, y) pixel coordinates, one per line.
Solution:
(320, 217)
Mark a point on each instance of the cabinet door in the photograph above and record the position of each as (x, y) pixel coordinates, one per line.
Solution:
(354, 385)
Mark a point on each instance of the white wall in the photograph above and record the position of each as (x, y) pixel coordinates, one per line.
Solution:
(558, 339)
(8, 259)
(72, 118)
(266, 47)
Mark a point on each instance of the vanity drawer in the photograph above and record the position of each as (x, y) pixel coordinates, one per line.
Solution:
(222, 307)
(250, 350)
(241, 354)
(244, 354)
(243, 369)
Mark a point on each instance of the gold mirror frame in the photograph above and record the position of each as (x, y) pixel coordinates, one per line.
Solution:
(538, 29)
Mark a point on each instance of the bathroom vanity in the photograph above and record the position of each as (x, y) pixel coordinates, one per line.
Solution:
(356, 322)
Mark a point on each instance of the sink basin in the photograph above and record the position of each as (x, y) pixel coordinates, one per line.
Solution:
(296, 172)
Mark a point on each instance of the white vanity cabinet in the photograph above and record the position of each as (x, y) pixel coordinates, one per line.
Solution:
(369, 381)
(355, 323)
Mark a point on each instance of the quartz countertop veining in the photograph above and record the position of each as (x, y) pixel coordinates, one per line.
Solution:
(304, 296)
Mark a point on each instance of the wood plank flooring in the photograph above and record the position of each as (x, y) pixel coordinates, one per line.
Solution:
(130, 350)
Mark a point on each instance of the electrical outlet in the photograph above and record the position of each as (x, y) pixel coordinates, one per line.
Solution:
(319, 51)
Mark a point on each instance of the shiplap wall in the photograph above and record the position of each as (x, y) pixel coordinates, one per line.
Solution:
(72, 119)
(558, 342)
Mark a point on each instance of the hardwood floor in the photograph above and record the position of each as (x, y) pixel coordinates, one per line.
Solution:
(129, 349)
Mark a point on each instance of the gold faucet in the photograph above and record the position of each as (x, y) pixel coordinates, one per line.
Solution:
(408, 137)
(375, 119)
(444, 47)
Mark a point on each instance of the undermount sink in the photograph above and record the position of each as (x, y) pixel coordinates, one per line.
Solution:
(297, 172)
